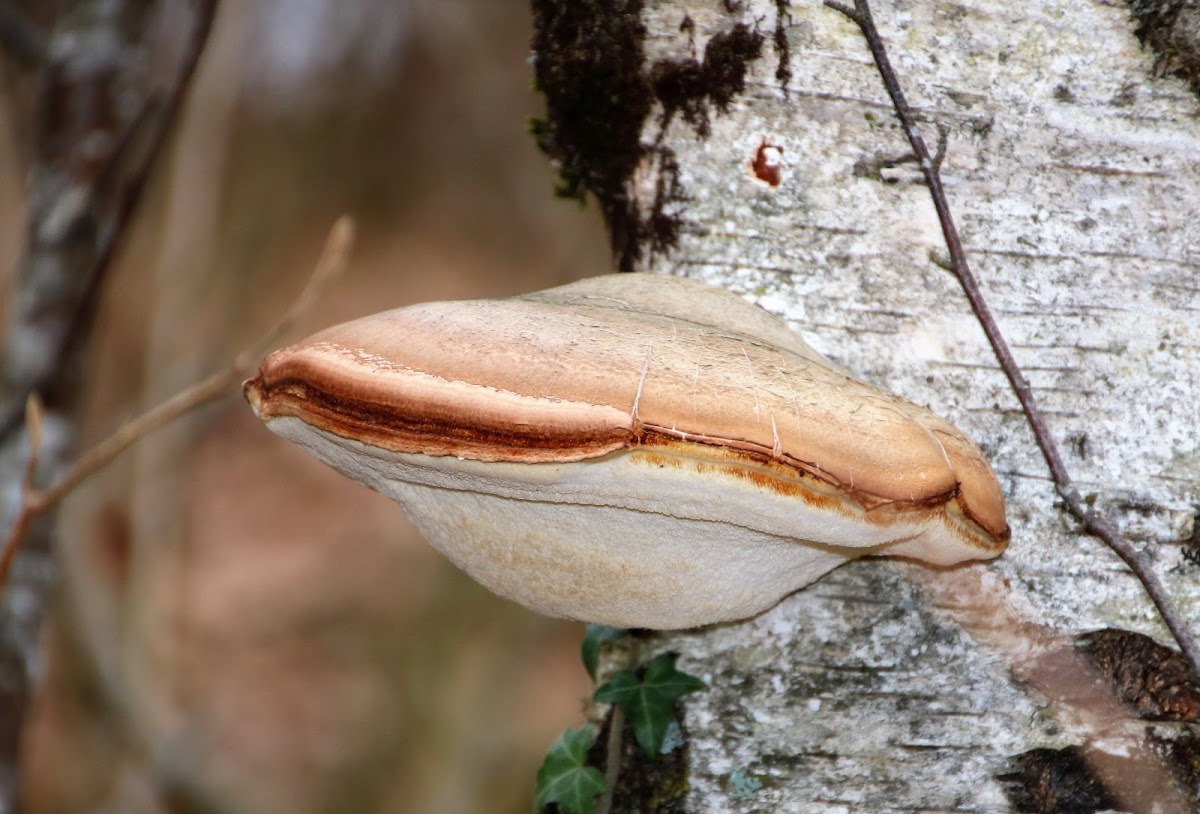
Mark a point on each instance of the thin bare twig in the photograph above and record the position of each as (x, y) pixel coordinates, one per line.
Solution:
(33, 432)
(612, 759)
(34, 502)
(1092, 523)
(335, 254)
(627, 659)
(135, 158)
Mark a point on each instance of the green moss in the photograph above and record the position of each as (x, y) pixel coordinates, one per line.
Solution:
(690, 88)
(590, 67)
(783, 48)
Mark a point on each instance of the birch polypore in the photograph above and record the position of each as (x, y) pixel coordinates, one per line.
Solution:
(634, 450)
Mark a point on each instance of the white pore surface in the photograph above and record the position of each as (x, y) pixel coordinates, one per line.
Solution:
(616, 540)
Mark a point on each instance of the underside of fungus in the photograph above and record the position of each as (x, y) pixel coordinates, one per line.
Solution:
(633, 450)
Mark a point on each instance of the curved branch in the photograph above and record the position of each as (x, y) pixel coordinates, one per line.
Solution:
(1092, 523)
(35, 502)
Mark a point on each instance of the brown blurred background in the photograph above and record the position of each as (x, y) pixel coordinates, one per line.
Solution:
(233, 612)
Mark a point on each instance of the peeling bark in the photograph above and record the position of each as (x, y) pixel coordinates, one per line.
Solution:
(1071, 167)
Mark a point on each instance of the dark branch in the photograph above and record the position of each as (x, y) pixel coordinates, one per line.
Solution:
(1092, 523)
(95, 199)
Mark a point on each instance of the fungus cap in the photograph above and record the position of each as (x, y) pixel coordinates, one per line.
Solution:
(634, 450)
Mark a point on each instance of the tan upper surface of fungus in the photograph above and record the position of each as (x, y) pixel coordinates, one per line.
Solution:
(618, 361)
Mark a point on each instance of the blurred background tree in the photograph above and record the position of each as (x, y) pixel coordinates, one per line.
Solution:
(232, 624)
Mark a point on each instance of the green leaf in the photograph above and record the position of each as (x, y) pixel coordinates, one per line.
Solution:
(595, 636)
(565, 778)
(649, 701)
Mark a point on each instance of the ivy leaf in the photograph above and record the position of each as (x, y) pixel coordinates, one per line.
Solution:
(565, 778)
(649, 700)
(595, 636)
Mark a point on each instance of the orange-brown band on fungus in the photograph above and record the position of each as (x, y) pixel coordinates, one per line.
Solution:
(425, 429)
(818, 489)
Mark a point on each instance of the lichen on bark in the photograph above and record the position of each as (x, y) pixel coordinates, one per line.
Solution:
(1071, 169)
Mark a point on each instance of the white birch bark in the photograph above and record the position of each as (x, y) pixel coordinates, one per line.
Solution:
(1075, 180)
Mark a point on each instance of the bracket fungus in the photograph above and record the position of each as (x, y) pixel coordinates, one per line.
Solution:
(633, 450)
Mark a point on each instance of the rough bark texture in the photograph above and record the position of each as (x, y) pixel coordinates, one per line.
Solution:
(768, 161)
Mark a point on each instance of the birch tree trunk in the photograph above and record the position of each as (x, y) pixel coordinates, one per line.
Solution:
(751, 145)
